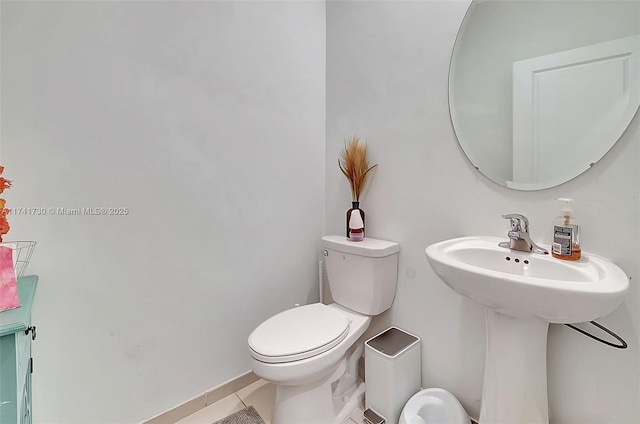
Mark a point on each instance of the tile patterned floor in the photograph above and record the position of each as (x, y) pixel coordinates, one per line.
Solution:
(260, 394)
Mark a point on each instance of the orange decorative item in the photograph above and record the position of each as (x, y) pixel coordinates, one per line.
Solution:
(4, 223)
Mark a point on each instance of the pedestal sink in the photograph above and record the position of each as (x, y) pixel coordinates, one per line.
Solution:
(524, 292)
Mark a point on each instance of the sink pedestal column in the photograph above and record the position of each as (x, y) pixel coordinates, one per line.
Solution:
(515, 376)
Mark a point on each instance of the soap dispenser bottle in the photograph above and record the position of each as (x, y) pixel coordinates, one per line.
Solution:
(566, 235)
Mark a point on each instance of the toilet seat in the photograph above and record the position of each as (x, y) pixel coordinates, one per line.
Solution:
(298, 333)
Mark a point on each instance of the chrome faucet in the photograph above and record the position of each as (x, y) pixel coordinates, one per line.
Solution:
(519, 238)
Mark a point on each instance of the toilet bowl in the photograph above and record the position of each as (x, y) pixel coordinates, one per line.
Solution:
(316, 382)
(433, 406)
(311, 352)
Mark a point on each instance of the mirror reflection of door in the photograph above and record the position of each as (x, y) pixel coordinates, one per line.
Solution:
(565, 103)
(575, 116)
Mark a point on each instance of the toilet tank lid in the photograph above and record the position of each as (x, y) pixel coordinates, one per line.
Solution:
(368, 247)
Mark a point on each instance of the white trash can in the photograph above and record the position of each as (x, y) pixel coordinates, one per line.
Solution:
(392, 374)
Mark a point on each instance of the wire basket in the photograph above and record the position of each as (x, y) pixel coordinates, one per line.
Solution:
(22, 251)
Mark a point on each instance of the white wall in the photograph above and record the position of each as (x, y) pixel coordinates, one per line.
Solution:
(205, 120)
(387, 70)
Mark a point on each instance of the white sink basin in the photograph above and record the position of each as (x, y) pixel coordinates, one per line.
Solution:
(527, 285)
(523, 292)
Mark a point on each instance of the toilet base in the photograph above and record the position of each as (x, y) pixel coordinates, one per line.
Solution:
(350, 401)
(310, 403)
(317, 403)
(322, 389)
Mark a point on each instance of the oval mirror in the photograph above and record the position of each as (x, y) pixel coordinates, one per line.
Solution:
(540, 90)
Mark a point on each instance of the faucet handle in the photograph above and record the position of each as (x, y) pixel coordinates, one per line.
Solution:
(518, 222)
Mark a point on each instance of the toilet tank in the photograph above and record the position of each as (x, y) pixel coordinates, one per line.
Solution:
(362, 275)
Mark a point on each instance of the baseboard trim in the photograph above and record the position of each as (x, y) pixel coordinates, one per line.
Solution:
(211, 396)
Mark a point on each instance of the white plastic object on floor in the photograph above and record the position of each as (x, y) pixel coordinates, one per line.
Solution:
(433, 406)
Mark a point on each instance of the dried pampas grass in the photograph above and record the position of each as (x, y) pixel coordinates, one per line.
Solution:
(354, 165)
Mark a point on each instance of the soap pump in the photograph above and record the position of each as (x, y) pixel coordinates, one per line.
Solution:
(566, 236)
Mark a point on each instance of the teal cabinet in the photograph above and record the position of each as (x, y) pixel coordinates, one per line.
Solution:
(16, 363)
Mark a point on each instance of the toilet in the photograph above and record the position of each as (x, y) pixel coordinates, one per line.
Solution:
(433, 406)
(311, 352)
